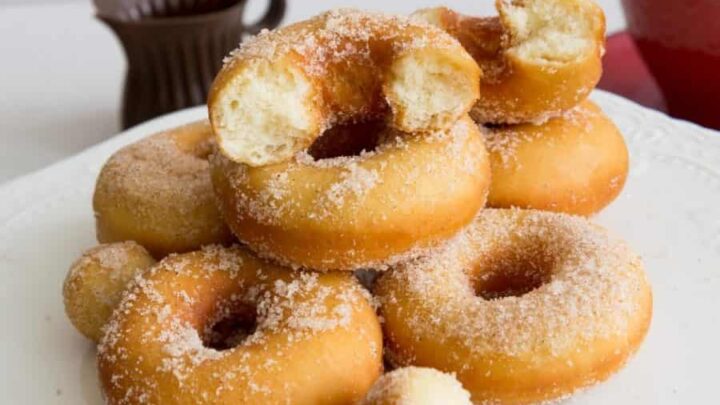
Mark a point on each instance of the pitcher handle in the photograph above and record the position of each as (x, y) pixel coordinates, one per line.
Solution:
(271, 19)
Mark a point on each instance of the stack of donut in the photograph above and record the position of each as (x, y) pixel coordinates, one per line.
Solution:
(550, 148)
(357, 142)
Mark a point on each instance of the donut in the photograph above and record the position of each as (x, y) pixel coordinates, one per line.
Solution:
(279, 91)
(576, 163)
(95, 282)
(538, 57)
(524, 306)
(330, 209)
(417, 386)
(157, 192)
(219, 326)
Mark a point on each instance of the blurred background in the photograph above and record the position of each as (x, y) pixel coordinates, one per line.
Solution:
(63, 71)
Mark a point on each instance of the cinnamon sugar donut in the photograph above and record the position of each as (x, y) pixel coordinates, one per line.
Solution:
(576, 163)
(220, 326)
(538, 58)
(417, 386)
(367, 210)
(95, 282)
(524, 306)
(280, 90)
(157, 192)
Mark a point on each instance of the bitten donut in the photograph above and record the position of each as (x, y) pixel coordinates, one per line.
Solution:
(218, 326)
(524, 306)
(338, 211)
(95, 282)
(417, 386)
(576, 163)
(280, 90)
(538, 58)
(158, 193)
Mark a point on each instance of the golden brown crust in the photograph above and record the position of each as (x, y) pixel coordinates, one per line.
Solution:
(535, 305)
(280, 90)
(514, 87)
(158, 193)
(316, 338)
(361, 211)
(95, 282)
(576, 163)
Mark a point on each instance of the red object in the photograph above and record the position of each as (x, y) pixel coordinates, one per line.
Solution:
(625, 73)
(680, 43)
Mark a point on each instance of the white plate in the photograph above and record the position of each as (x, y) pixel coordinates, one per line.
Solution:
(669, 212)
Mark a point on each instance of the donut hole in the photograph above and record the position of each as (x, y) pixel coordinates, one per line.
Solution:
(231, 327)
(347, 140)
(513, 273)
(511, 283)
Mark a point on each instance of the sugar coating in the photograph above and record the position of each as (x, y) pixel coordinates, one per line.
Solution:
(280, 90)
(95, 282)
(155, 169)
(117, 261)
(591, 286)
(538, 57)
(163, 183)
(354, 179)
(150, 331)
(110, 256)
(350, 186)
(339, 35)
(504, 140)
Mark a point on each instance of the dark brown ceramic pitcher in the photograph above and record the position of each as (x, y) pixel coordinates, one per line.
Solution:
(174, 48)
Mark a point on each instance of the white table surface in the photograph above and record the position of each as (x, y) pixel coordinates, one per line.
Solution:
(61, 72)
